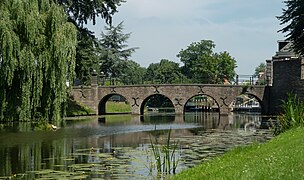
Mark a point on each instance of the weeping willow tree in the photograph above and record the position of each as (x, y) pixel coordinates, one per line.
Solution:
(37, 58)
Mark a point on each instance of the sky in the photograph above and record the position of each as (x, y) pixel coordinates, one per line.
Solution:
(246, 29)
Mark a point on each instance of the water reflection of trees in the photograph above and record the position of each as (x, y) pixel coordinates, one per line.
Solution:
(33, 151)
(158, 118)
(63, 156)
(17, 127)
(30, 157)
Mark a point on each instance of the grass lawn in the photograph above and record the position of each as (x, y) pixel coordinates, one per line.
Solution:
(280, 158)
(117, 107)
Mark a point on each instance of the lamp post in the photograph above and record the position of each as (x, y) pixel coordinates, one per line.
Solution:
(102, 78)
(94, 78)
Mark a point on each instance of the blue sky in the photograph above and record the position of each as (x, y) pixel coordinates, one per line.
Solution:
(161, 28)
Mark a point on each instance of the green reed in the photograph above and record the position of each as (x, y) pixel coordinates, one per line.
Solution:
(293, 113)
(165, 156)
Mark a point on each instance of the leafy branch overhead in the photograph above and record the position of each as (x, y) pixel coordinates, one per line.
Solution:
(293, 17)
(82, 11)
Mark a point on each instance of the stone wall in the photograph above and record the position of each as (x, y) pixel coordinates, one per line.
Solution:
(86, 96)
(286, 79)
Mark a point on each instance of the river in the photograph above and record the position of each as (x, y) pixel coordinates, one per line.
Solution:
(119, 146)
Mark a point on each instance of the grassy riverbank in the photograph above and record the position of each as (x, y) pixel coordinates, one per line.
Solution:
(280, 158)
(76, 109)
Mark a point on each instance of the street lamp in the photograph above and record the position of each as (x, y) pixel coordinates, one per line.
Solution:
(102, 78)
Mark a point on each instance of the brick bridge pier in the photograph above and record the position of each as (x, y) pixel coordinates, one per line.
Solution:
(96, 97)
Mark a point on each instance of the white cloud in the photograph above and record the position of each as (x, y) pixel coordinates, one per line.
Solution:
(161, 28)
(163, 8)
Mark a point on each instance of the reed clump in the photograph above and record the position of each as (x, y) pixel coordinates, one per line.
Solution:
(292, 114)
(165, 156)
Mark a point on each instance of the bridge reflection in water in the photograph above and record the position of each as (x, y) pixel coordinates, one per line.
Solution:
(206, 120)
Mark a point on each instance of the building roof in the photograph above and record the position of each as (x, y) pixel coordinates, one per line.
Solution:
(285, 51)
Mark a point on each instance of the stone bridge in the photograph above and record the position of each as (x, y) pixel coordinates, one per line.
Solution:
(96, 97)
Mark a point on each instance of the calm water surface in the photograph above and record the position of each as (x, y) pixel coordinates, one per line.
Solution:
(118, 146)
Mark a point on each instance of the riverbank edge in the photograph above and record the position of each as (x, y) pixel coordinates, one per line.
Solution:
(280, 158)
(77, 109)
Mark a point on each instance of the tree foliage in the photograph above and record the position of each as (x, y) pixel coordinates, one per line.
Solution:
(82, 11)
(86, 58)
(164, 72)
(260, 68)
(113, 50)
(159, 100)
(37, 57)
(226, 66)
(260, 73)
(202, 65)
(151, 73)
(293, 16)
(192, 54)
(132, 73)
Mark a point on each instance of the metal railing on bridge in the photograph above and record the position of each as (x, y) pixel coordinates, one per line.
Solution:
(247, 80)
(238, 80)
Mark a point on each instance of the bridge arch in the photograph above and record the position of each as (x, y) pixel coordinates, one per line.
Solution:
(260, 101)
(204, 102)
(104, 100)
(146, 99)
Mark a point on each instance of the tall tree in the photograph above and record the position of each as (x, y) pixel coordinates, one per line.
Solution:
(113, 50)
(164, 72)
(202, 65)
(86, 58)
(226, 66)
(191, 55)
(206, 70)
(293, 16)
(168, 72)
(150, 75)
(37, 54)
(132, 73)
(81, 12)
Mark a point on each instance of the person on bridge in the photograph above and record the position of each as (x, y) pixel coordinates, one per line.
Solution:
(226, 82)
